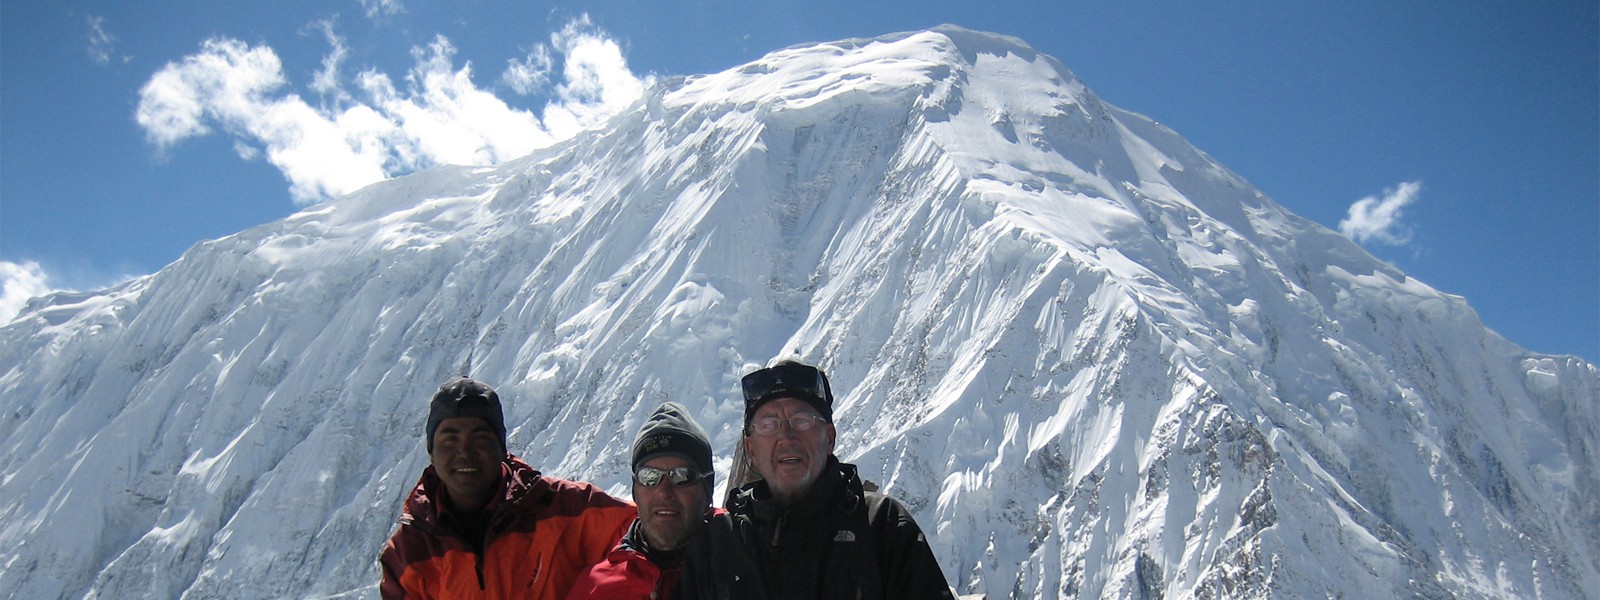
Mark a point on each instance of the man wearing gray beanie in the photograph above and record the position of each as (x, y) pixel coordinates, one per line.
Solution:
(679, 546)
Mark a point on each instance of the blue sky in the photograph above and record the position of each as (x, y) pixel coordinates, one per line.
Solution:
(1456, 140)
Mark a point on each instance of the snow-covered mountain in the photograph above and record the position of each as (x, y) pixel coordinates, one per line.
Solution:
(1092, 360)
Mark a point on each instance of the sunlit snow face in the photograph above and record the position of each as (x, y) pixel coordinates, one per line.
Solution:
(466, 456)
(789, 460)
(670, 513)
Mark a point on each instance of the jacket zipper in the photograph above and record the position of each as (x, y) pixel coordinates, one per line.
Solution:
(481, 587)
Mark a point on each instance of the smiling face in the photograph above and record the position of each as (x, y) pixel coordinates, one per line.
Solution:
(789, 460)
(466, 456)
(669, 514)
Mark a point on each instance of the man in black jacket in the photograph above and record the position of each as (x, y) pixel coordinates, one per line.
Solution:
(813, 530)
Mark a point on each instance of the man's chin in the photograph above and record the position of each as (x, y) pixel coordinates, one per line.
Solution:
(788, 487)
(798, 475)
(667, 538)
(795, 472)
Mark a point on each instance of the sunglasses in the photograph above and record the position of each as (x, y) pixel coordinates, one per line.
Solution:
(785, 379)
(679, 476)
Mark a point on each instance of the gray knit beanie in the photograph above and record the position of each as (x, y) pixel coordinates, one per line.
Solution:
(670, 430)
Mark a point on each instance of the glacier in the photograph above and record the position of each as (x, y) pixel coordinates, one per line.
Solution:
(1092, 360)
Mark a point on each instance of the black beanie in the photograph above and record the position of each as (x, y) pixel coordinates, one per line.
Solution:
(670, 430)
(465, 397)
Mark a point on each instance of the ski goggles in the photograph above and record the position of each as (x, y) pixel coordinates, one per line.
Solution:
(679, 476)
(784, 379)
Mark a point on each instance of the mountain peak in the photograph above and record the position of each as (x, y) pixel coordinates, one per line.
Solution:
(884, 69)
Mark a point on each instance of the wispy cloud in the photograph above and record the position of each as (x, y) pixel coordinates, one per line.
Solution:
(435, 115)
(376, 9)
(18, 283)
(102, 44)
(326, 80)
(529, 75)
(1378, 219)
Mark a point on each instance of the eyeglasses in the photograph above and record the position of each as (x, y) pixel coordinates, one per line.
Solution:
(679, 476)
(787, 377)
(769, 425)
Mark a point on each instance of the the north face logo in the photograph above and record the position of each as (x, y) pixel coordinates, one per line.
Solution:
(844, 535)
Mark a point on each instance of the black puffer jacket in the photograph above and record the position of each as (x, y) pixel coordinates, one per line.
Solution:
(838, 541)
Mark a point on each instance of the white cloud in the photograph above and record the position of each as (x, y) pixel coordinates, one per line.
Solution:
(326, 81)
(102, 45)
(1378, 219)
(382, 8)
(438, 116)
(443, 118)
(598, 85)
(232, 84)
(18, 283)
(530, 74)
(245, 150)
(227, 81)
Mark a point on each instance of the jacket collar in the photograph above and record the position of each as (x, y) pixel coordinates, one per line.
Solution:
(838, 487)
(425, 506)
(635, 542)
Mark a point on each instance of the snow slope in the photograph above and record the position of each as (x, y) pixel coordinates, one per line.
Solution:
(1092, 360)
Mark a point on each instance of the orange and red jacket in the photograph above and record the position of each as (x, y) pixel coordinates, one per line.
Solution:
(627, 573)
(542, 533)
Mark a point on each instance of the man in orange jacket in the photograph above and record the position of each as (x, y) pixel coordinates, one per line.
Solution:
(482, 523)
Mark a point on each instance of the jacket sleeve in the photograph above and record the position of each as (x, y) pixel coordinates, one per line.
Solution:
(393, 565)
(906, 564)
(580, 524)
(603, 526)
